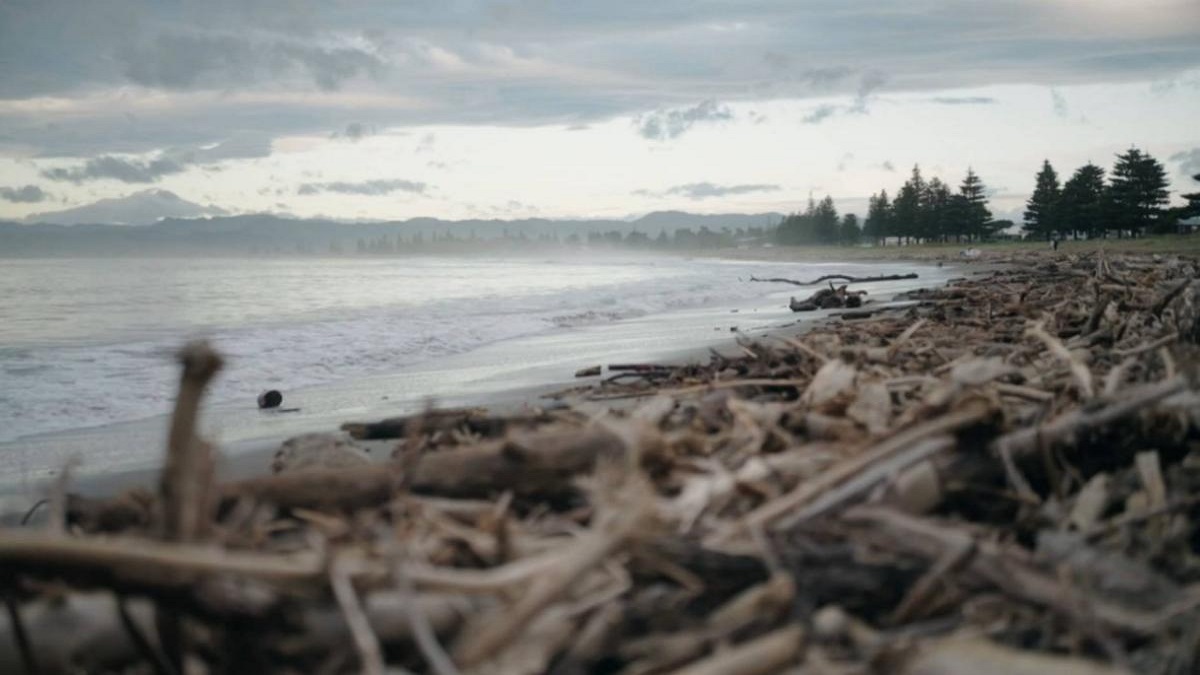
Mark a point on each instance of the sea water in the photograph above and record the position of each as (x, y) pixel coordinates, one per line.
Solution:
(86, 343)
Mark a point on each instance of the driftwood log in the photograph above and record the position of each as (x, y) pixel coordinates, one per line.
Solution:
(828, 298)
(838, 277)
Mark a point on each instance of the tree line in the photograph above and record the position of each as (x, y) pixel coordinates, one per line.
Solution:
(1132, 201)
(922, 210)
(678, 239)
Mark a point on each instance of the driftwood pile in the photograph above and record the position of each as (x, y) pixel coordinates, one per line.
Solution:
(1003, 478)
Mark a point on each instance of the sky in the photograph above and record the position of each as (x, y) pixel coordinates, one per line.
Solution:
(387, 109)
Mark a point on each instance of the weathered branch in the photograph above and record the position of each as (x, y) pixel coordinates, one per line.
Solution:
(842, 277)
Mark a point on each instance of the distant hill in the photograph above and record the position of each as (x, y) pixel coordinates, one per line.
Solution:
(141, 208)
(265, 233)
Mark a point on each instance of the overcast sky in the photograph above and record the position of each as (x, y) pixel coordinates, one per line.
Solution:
(574, 108)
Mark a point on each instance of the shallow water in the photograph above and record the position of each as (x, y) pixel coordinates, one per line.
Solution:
(85, 345)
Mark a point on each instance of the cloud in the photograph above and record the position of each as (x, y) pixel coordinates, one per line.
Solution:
(116, 168)
(354, 131)
(1189, 161)
(368, 187)
(706, 190)
(1060, 103)
(663, 125)
(28, 194)
(963, 100)
(869, 83)
(820, 114)
(169, 161)
(183, 61)
(85, 79)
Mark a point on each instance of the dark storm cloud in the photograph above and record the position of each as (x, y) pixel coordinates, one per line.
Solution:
(527, 62)
(705, 190)
(662, 125)
(963, 100)
(28, 194)
(369, 187)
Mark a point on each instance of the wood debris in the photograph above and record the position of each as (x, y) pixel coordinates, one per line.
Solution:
(1000, 476)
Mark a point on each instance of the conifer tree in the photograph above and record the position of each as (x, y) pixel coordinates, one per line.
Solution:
(878, 226)
(906, 207)
(850, 231)
(1081, 207)
(1138, 192)
(972, 211)
(1041, 218)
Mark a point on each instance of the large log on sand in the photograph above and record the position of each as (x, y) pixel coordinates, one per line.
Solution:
(537, 464)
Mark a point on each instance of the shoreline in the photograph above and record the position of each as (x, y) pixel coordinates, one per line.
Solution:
(249, 454)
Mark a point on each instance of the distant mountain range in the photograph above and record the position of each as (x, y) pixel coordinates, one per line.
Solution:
(141, 208)
(159, 222)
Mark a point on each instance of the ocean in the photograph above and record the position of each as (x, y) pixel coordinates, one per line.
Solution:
(86, 345)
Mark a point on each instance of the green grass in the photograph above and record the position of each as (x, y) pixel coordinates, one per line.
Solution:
(1164, 244)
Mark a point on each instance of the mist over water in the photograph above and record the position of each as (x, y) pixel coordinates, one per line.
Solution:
(87, 342)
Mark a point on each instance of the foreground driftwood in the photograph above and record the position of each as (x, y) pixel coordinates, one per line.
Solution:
(1000, 478)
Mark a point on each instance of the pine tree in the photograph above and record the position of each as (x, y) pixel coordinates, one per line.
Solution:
(850, 232)
(1082, 201)
(1041, 217)
(936, 217)
(906, 207)
(878, 225)
(1138, 191)
(825, 225)
(971, 210)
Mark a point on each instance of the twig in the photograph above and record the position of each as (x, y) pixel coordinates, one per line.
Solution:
(1028, 440)
(808, 491)
(493, 632)
(1160, 304)
(867, 478)
(22, 637)
(186, 476)
(148, 651)
(186, 481)
(760, 656)
(904, 337)
(437, 658)
(1147, 346)
(370, 655)
(1079, 369)
(1012, 574)
(57, 519)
